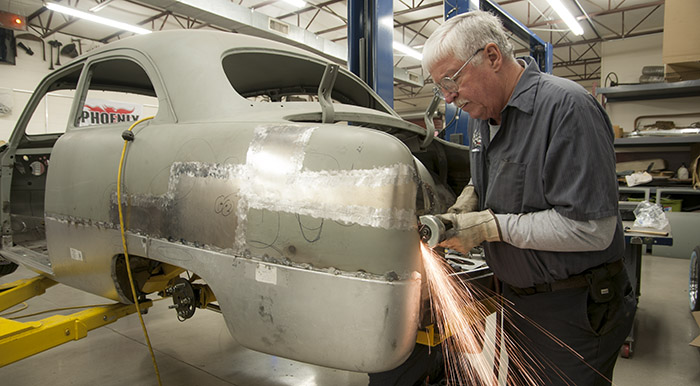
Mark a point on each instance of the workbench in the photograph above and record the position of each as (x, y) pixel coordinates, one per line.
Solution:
(635, 242)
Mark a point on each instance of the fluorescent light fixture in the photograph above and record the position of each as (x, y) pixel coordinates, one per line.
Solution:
(96, 19)
(296, 3)
(408, 50)
(568, 18)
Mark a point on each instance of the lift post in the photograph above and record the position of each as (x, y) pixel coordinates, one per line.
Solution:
(19, 340)
(370, 45)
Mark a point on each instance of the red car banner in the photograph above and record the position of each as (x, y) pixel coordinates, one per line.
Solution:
(104, 112)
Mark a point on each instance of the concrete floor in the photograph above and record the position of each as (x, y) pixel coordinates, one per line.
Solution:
(662, 355)
(200, 351)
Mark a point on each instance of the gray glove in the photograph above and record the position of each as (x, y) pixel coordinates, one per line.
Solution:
(466, 202)
(470, 229)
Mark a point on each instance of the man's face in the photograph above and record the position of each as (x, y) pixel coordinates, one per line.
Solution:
(474, 93)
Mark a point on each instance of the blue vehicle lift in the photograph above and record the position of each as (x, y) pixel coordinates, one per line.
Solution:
(370, 44)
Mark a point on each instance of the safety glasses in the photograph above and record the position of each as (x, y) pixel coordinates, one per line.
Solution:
(448, 83)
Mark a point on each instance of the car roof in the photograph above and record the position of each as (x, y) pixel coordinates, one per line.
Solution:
(209, 74)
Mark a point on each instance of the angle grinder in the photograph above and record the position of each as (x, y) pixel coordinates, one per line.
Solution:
(432, 229)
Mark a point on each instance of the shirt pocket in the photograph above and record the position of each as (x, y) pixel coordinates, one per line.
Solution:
(506, 186)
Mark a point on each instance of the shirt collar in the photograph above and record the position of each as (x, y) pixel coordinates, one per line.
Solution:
(523, 97)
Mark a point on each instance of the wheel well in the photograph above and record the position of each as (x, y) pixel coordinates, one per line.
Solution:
(149, 275)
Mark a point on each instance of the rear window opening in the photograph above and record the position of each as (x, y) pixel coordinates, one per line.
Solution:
(283, 77)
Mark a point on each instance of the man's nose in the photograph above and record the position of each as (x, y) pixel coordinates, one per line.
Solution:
(450, 96)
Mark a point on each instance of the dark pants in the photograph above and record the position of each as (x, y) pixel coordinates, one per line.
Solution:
(424, 362)
(595, 331)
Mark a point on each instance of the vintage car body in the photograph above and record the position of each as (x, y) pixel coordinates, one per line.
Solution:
(304, 231)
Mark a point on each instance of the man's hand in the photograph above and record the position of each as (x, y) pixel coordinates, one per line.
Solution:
(466, 202)
(469, 230)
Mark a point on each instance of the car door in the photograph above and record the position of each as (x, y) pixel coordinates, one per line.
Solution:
(116, 88)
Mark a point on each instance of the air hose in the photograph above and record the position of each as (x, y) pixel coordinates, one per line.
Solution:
(128, 136)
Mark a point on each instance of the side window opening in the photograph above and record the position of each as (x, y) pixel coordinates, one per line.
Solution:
(51, 114)
(119, 91)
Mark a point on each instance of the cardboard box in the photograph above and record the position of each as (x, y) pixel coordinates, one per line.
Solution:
(619, 132)
(682, 71)
(681, 34)
(696, 341)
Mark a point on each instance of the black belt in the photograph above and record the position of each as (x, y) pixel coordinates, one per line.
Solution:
(576, 281)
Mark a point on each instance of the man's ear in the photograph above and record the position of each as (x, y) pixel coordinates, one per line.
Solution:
(494, 58)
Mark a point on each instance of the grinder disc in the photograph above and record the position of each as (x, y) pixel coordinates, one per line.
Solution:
(435, 229)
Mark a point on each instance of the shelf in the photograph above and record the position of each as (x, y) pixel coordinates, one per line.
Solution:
(654, 140)
(636, 189)
(676, 190)
(635, 92)
(647, 190)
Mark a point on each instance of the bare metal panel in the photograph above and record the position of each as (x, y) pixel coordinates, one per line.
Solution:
(338, 319)
(306, 250)
(81, 255)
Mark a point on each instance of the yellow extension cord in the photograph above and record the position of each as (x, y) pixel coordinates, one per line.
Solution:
(126, 254)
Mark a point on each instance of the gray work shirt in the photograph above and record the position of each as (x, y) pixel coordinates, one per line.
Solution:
(553, 150)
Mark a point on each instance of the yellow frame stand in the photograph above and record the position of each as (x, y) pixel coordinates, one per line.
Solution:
(19, 340)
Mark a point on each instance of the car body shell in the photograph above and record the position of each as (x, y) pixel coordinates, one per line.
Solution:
(304, 230)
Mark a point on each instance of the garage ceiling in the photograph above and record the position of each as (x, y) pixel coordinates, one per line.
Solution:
(575, 57)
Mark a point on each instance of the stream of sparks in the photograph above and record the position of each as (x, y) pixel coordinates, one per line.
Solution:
(477, 351)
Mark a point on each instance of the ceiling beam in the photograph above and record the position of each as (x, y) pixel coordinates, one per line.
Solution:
(69, 20)
(263, 4)
(596, 40)
(643, 19)
(578, 62)
(602, 13)
(332, 29)
(313, 7)
(402, 24)
(418, 8)
(107, 38)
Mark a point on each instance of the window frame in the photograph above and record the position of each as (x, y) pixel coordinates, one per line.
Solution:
(165, 111)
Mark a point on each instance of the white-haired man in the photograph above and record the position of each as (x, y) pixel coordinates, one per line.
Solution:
(543, 203)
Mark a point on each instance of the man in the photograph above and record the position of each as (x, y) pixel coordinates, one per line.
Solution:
(543, 202)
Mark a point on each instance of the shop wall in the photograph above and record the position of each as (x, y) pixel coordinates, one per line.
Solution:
(626, 58)
(17, 82)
